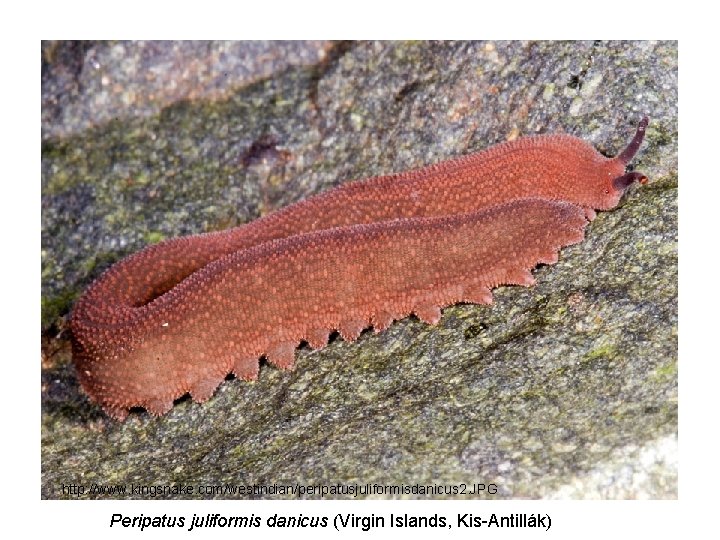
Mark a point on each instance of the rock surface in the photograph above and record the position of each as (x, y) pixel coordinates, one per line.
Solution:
(567, 389)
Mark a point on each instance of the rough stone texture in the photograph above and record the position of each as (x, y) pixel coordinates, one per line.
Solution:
(568, 389)
(84, 83)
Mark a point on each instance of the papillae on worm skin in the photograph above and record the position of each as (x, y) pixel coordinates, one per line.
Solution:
(179, 316)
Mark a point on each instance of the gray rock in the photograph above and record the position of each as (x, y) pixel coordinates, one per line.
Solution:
(567, 389)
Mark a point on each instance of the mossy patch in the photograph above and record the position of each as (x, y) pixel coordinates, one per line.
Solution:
(51, 308)
(604, 352)
(153, 237)
(666, 372)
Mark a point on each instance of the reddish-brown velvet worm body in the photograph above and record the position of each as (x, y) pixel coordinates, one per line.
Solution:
(178, 316)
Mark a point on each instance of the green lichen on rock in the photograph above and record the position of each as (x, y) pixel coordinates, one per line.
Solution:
(52, 308)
